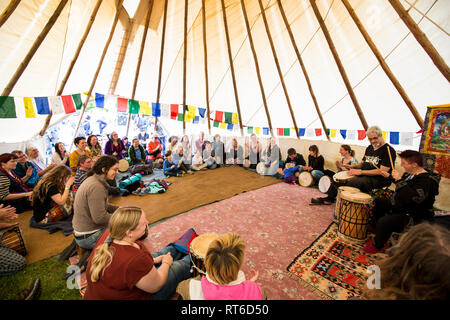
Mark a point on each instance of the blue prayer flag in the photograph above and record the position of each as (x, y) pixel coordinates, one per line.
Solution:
(230, 126)
(42, 105)
(343, 133)
(196, 120)
(266, 131)
(99, 100)
(301, 132)
(394, 137)
(156, 109)
(201, 112)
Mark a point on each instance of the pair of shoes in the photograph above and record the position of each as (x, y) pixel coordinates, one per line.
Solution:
(317, 200)
(371, 249)
(33, 292)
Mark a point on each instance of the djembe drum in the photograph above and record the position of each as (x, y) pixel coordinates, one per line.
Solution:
(197, 251)
(338, 197)
(12, 238)
(324, 184)
(355, 210)
(123, 165)
(305, 179)
(261, 168)
(342, 177)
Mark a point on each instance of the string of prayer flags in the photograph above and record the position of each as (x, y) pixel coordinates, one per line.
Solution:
(42, 105)
(144, 108)
(133, 106)
(174, 111)
(156, 109)
(219, 116)
(394, 138)
(29, 108)
(361, 134)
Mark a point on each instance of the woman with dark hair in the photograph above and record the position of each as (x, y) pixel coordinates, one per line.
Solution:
(12, 189)
(235, 156)
(316, 163)
(94, 147)
(61, 156)
(115, 146)
(272, 158)
(80, 143)
(348, 158)
(417, 268)
(91, 207)
(253, 148)
(411, 203)
(51, 194)
(218, 148)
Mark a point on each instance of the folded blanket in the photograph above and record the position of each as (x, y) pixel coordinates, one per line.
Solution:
(64, 225)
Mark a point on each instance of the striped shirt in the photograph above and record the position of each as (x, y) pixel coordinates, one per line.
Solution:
(80, 176)
(4, 186)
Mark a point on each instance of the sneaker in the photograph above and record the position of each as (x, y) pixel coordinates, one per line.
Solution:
(33, 292)
(137, 191)
(371, 249)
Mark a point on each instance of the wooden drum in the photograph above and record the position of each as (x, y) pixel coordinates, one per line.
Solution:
(338, 198)
(12, 238)
(261, 168)
(123, 165)
(355, 210)
(305, 179)
(197, 251)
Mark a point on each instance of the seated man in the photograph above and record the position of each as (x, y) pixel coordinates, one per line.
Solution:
(35, 158)
(180, 160)
(155, 148)
(370, 172)
(26, 170)
(412, 200)
(136, 153)
(84, 165)
(170, 168)
(208, 156)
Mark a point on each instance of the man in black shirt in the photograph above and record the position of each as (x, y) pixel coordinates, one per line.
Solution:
(295, 158)
(370, 171)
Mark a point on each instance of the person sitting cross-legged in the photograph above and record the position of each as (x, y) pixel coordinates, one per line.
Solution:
(180, 160)
(122, 267)
(26, 170)
(84, 165)
(170, 168)
(197, 162)
(136, 153)
(208, 156)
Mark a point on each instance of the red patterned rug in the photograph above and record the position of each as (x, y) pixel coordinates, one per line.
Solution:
(334, 267)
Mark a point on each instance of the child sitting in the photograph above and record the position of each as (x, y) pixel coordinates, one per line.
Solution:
(223, 279)
(197, 162)
(170, 168)
(290, 173)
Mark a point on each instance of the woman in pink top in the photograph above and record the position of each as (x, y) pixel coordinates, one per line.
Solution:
(223, 279)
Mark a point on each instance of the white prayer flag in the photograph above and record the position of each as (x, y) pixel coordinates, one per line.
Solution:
(351, 134)
(56, 105)
(406, 138)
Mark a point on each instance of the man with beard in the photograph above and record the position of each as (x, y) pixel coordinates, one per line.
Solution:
(369, 172)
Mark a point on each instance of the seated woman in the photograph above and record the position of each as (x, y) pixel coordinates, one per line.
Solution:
(272, 158)
(218, 148)
(315, 163)
(94, 147)
(417, 268)
(26, 170)
(35, 158)
(412, 201)
(187, 149)
(208, 156)
(115, 146)
(136, 153)
(224, 279)
(180, 160)
(122, 268)
(197, 162)
(154, 148)
(13, 191)
(348, 158)
(235, 155)
(61, 156)
(51, 194)
(92, 210)
(254, 150)
(80, 143)
(170, 168)
(173, 144)
(84, 165)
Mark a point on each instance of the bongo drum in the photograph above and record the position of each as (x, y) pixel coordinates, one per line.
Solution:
(261, 168)
(338, 198)
(305, 179)
(123, 165)
(324, 184)
(12, 238)
(342, 177)
(354, 215)
(197, 251)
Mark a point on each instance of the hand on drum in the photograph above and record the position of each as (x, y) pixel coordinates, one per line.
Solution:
(7, 213)
(253, 275)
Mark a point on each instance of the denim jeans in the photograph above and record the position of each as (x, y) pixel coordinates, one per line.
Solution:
(317, 174)
(179, 270)
(89, 242)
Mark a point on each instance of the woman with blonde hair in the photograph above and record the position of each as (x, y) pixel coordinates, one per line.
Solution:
(224, 279)
(122, 268)
(51, 194)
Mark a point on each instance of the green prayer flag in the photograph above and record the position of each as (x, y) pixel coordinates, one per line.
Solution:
(180, 117)
(7, 107)
(133, 106)
(216, 124)
(229, 117)
(287, 132)
(77, 100)
(328, 132)
(250, 130)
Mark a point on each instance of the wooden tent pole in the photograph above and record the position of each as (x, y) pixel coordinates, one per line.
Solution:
(255, 59)
(277, 63)
(383, 64)
(231, 65)
(184, 62)
(302, 65)
(161, 56)
(422, 39)
(141, 53)
(34, 48)
(72, 63)
(105, 50)
(205, 54)
(339, 64)
(8, 11)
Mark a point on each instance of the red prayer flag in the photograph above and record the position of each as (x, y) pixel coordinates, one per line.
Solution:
(361, 134)
(219, 116)
(318, 132)
(69, 106)
(174, 111)
(122, 105)
(280, 131)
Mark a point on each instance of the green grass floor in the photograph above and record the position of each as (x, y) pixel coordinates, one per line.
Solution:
(50, 272)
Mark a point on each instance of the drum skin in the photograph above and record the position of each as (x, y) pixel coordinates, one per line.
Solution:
(197, 251)
(305, 179)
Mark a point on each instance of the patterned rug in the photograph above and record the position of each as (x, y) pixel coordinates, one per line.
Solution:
(333, 267)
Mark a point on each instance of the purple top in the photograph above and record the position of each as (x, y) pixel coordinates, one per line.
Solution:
(110, 149)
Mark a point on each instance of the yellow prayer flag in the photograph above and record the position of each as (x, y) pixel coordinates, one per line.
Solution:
(145, 108)
(333, 133)
(235, 119)
(29, 109)
(257, 130)
(223, 125)
(191, 110)
(384, 135)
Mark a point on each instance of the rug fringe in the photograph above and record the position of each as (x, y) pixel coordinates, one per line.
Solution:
(309, 286)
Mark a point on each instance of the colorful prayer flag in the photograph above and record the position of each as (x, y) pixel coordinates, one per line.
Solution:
(180, 117)
(219, 116)
(228, 117)
(133, 106)
(343, 133)
(122, 104)
(144, 107)
(29, 108)
(266, 131)
(361, 134)
(235, 119)
(67, 101)
(216, 124)
(56, 105)
(406, 138)
(77, 100)
(333, 133)
(249, 130)
(318, 132)
(287, 132)
(230, 127)
(201, 112)
(394, 137)
(223, 125)
(174, 111)
(301, 132)
(42, 105)
(156, 109)
(99, 100)
(351, 134)
(384, 133)
(257, 130)
(196, 120)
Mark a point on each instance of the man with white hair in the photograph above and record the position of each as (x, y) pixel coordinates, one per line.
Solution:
(155, 148)
(371, 171)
